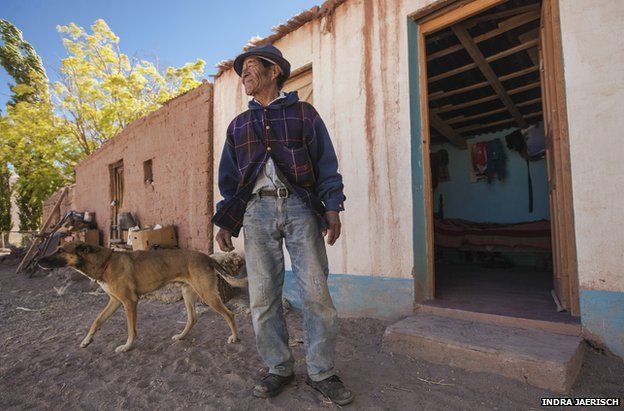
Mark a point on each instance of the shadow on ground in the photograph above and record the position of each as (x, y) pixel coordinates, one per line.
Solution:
(42, 366)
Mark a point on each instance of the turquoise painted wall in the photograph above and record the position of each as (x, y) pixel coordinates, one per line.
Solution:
(362, 295)
(503, 201)
(602, 316)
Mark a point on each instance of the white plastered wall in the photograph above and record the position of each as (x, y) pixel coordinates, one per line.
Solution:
(593, 55)
(361, 90)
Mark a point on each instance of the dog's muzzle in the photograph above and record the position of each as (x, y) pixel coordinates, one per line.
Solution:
(52, 261)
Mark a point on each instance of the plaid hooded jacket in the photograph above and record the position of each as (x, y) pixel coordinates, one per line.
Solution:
(293, 134)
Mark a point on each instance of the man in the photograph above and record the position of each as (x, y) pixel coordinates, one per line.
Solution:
(279, 179)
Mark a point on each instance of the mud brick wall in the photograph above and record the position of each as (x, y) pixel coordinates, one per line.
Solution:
(178, 139)
(66, 205)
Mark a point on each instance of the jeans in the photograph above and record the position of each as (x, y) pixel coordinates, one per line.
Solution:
(268, 223)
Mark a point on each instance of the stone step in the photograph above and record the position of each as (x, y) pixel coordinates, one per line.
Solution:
(568, 328)
(540, 358)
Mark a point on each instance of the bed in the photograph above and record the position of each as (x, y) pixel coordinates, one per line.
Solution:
(467, 235)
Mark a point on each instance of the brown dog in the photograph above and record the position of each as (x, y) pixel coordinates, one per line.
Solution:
(124, 276)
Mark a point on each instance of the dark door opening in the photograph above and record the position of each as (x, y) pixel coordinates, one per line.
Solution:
(498, 227)
(116, 171)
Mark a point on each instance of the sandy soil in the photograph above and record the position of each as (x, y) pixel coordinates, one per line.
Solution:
(42, 366)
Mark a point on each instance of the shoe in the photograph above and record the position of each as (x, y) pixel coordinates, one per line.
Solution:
(271, 385)
(333, 389)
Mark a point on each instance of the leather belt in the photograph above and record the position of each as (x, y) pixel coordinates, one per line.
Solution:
(281, 192)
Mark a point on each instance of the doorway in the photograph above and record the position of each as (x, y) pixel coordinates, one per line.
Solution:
(498, 217)
(116, 171)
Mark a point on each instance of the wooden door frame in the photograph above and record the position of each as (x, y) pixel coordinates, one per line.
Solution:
(112, 170)
(442, 14)
(558, 156)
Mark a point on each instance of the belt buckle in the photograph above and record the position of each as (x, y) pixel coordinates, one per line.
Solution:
(281, 190)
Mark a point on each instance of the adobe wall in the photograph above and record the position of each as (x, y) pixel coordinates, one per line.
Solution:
(177, 137)
(66, 205)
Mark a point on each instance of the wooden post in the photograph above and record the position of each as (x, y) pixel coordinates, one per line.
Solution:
(44, 227)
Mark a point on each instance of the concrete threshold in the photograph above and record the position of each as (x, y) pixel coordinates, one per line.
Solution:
(540, 358)
(517, 322)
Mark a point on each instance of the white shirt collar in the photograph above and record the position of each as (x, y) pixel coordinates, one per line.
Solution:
(281, 95)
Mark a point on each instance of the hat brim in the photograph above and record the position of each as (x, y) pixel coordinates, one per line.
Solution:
(280, 61)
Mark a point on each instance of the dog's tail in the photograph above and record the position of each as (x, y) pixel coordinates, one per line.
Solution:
(240, 281)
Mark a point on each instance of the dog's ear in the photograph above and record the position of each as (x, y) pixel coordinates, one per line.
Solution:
(84, 249)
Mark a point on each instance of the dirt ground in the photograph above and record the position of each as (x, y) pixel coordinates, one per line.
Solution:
(43, 367)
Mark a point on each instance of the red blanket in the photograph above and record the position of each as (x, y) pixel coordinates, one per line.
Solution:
(456, 233)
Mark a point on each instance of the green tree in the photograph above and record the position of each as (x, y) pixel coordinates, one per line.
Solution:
(21, 142)
(5, 198)
(39, 152)
(23, 64)
(102, 90)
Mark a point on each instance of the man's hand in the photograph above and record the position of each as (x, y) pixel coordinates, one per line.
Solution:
(224, 239)
(333, 230)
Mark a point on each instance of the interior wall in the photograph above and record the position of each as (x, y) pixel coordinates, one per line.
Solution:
(503, 201)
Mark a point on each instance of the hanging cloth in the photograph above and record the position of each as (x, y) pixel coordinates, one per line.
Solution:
(515, 141)
(496, 160)
(479, 157)
(535, 141)
(530, 186)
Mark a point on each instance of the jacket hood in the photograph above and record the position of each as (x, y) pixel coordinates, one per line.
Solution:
(290, 99)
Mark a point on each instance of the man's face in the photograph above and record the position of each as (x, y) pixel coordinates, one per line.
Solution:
(256, 77)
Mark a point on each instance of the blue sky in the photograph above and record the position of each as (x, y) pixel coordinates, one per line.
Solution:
(174, 32)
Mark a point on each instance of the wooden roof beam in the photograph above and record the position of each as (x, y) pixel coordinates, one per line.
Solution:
(452, 107)
(526, 87)
(443, 93)
(529, 102)
(451, 73)
(529, 44)
(533, 53)
(503, 27)
(520, 47)
(478, 57)
(503, 13)
(447, 131)
(462, 118)
(475, 127)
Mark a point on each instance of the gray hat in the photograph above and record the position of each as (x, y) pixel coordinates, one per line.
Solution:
(267, 52)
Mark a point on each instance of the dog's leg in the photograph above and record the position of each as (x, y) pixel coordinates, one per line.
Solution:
(205, 285)
(130, 307)
(111, 307)
(214, 301)
(190, 297)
